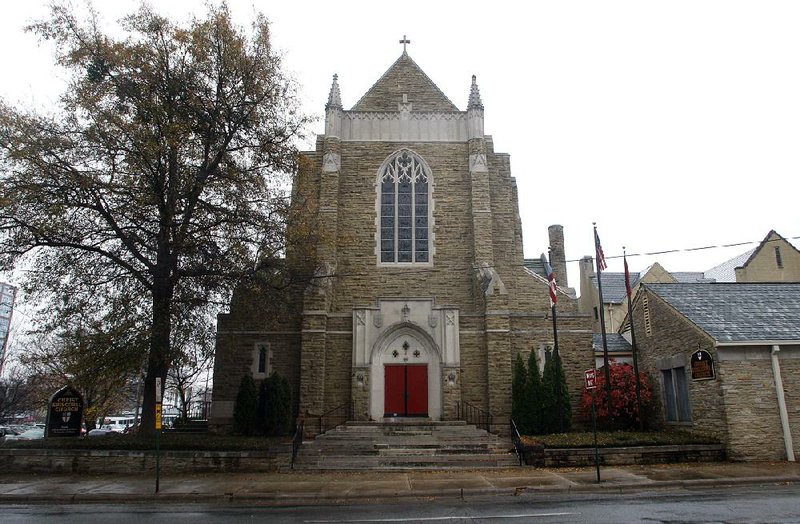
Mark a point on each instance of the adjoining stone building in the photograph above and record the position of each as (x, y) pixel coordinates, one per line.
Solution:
(725, 361)
(423, 301)
(775, 259)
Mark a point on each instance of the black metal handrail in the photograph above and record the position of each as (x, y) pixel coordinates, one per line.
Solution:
(297, 441)
(519, 449)
(474, 415)
(343, 412)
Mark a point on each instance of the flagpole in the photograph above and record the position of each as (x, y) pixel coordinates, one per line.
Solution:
(602, 321)
(633, 342)
(557, 359)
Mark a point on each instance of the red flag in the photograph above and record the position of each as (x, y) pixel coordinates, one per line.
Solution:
(601, 258)
(627, 276)
(551, 279)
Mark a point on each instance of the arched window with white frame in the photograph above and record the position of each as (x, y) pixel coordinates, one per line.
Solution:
(404, 235)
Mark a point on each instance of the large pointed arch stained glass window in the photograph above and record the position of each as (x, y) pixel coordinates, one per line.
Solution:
(404, 220)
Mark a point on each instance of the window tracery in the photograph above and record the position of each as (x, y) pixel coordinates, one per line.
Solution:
(404, 209)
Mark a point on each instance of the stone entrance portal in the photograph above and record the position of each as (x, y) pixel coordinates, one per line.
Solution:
(405, 360)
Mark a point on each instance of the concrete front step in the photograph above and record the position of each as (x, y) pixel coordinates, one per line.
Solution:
(438, 462)
(405, 445)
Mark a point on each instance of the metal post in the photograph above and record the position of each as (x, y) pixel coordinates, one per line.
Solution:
(594, 430)
(158, 431)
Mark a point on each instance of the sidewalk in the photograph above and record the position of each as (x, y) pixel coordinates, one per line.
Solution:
(307, 488)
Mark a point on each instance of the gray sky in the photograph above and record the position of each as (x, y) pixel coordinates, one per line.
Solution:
(671, 124)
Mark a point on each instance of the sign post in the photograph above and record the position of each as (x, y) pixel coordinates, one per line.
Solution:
(158, 430)
(591, 385)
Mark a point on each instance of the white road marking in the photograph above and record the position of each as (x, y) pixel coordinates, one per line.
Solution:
(449, 517)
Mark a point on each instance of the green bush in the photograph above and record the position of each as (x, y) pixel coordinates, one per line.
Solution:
(245, 408)
(557, 412)
(519, 398)
(535, 396)
(275, 406)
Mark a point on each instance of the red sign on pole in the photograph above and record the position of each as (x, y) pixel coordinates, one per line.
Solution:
(591, 379)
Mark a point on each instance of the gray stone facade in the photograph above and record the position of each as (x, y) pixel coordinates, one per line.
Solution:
(464, 312)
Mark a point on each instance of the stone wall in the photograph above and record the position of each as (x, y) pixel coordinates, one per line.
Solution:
(584, 457)
(110, 462)
(671, 344)
(751, 401)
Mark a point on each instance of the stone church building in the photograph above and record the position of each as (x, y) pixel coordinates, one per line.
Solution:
(422, 300)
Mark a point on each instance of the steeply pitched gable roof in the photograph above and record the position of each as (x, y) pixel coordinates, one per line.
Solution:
(404, 77)
(771, 236)
(732, 312)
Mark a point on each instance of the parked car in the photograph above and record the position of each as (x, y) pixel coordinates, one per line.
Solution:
(6, 430)
(29, 434)
(102, 432)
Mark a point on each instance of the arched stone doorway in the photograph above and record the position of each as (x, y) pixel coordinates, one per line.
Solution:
(406, 368)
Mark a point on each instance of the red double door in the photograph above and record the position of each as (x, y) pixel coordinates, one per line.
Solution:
(406, 393)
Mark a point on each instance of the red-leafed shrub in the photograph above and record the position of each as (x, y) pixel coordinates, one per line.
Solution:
(624, 412)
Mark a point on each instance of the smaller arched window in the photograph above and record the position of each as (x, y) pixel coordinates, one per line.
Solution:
(404, 209)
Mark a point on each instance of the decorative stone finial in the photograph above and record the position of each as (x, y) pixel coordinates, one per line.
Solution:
(474, 96)
(334, 97)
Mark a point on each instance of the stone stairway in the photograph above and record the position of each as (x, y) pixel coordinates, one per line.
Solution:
(410, 444)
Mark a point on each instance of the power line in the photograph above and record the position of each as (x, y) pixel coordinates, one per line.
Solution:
(687, 249)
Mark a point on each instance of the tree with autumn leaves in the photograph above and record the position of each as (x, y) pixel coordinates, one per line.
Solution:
(161, 179)
(624, 411)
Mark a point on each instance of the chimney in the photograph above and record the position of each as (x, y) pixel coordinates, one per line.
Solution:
(558, 259)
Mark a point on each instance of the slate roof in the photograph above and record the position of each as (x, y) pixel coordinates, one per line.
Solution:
(614, 283)
(615, 342)
(738, 312)
(535, 265)
(614, 286)
(725, 271)
(689, 277)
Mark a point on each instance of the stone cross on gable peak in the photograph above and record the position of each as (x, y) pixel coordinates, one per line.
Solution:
(405, 41)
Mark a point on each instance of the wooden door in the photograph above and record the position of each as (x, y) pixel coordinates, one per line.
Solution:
(406, 390)
(417, 390)
(394, 401)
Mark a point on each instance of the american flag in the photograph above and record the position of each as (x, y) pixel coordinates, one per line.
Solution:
(601, 258)
(627, 277)
(551, 279)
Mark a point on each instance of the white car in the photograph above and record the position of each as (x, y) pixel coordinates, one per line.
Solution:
(29, 434)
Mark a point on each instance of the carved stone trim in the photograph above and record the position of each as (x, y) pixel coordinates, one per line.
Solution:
(331, 162)
(404, 126)
(477, 163)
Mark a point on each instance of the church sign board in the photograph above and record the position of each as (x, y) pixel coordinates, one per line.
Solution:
(702, 365)
(64, 413)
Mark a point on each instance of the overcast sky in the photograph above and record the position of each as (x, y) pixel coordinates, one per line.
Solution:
(672, 125)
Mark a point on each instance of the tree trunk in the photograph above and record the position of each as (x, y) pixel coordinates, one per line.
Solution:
(158, 359)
